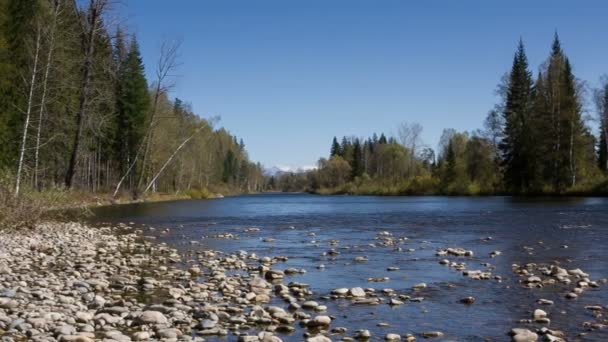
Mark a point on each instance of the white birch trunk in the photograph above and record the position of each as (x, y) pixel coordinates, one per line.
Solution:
(28, 113)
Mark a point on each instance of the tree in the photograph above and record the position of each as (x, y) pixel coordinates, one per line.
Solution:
(453, 170)
(50, 35)
(132, 104)
(335, 172)
(16, 66)
(516, 157)
(565, 140)
(410, 138)
(166, 65)
(335, 148)
(357, 164)
(493, 128)
(481, 164)
(91, 25)
(601, 103)
(29, 108)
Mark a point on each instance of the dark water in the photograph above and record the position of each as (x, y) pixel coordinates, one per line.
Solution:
(430, 223)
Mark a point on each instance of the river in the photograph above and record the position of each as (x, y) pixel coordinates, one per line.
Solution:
(569, 232)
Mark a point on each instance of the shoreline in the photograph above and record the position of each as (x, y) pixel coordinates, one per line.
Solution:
(74, 282)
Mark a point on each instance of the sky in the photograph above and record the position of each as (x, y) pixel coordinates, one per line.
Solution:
(287, 76)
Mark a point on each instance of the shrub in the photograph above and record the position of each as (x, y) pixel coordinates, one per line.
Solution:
(199, 194)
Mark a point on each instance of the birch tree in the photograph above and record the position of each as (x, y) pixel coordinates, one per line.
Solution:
(56, 11)
(28, 111)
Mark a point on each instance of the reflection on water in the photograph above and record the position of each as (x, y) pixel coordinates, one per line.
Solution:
(525, 230)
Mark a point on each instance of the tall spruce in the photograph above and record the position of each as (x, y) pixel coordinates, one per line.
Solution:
(517, 111)
(133, 100)
(335, 148)
(18, 27)
(357, 163)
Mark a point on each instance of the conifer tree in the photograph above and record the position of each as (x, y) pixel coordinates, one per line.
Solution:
(132, 104)
(357, 164)
(18, 32)
(515, 153)
(335, 148)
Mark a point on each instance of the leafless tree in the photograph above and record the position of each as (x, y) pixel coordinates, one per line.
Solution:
(168, 161)
(165, 68)
(410, 137)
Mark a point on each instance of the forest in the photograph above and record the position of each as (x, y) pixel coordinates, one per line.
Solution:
(78, 113)
(537, 140)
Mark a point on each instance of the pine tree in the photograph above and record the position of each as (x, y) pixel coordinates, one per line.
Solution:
(346, 150)
(230, 168)
(18, 30)
(514, 148)
(132, 103)
(5, 83)
(449, 175)
(335, 148)
(357, 164)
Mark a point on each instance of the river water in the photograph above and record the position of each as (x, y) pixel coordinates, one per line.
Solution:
(570, 232)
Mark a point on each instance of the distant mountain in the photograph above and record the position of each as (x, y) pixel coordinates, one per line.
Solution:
(282, 169)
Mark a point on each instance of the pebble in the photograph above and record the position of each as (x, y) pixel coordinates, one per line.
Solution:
(357, 292)
(392, 337)
(523, 335)
(468, 300)
(432, 334)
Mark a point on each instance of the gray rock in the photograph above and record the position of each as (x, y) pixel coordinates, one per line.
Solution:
(151, 317)
(357, 292)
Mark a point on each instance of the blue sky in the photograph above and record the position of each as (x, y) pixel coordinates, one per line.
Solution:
(288, 75)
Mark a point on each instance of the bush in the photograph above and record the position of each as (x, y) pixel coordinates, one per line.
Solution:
(31, 206)
(199, 194)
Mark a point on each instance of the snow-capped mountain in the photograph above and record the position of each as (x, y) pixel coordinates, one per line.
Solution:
(279, 169)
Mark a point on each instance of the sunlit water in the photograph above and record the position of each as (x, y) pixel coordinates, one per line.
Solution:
(430, 223)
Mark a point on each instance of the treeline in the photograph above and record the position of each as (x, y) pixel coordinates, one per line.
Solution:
(537, 140)
(77, 112)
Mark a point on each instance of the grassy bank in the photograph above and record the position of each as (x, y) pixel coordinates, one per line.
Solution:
(32, 207)
(431, 187)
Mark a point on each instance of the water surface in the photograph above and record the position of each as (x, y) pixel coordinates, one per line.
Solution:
(524, 230)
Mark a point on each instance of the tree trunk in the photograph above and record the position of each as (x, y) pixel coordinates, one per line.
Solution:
(171, 158)
(150, 135)
(49, 59)
(28, 113)
(86, 90)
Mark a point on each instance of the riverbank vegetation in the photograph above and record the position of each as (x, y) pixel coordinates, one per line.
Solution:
(537, 140)
(78, 114)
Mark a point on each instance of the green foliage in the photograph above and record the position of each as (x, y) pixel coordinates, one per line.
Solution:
(132, 104)
(535, 141)
(123, 130)
(17, 20)
(336, 150)
(199, 194)
(516, 147)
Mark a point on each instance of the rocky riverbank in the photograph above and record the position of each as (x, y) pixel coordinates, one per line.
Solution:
(71, 282)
